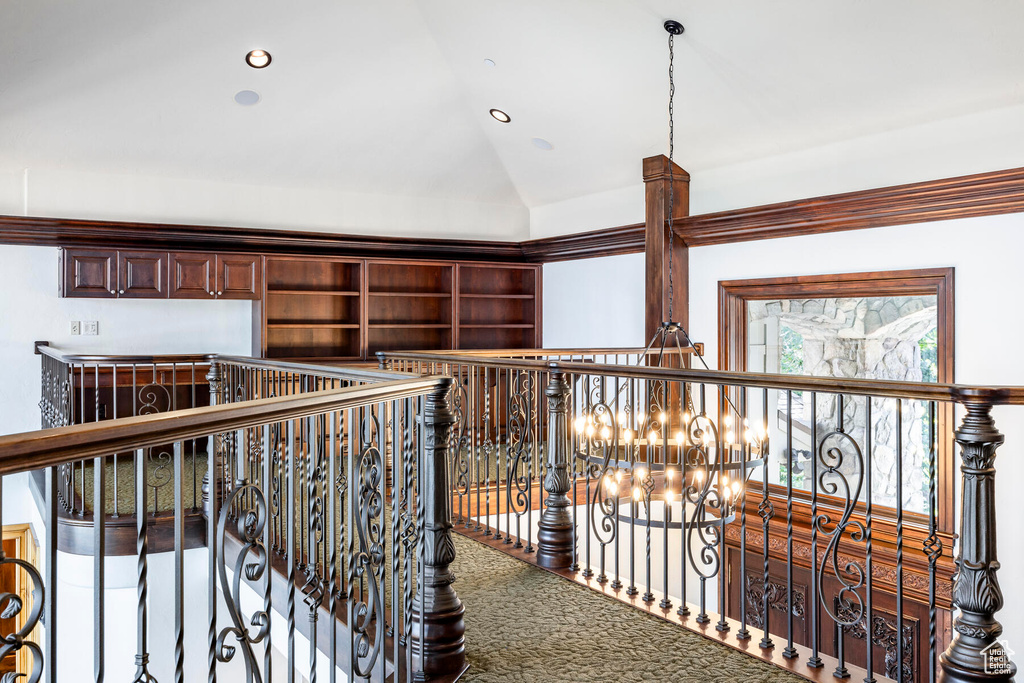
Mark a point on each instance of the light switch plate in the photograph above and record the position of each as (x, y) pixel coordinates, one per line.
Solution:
(90, 328)
(76, 327)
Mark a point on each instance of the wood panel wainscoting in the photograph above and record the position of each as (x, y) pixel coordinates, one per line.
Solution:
(732, 344)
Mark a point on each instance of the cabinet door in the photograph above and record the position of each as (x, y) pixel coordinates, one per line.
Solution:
(89, 273)
(142, 274)
(239, 276)
(193, 276)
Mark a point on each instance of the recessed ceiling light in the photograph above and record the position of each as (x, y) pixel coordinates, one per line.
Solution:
(541, 143)
(500, 115)
(258, 59)
(488, 62)
(247, 98)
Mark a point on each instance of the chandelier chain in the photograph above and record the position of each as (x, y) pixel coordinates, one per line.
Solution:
(671, 180)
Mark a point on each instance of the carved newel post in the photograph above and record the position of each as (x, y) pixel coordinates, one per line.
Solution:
(555, 534)
(443, 640)
(215, 380)
(975, 654)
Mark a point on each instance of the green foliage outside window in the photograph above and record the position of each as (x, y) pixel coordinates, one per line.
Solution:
(791, 351)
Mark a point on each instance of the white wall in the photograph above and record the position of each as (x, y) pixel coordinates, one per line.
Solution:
(611, 209)
(985, 254)
(594, 302)
(104, 196)
(30, 309)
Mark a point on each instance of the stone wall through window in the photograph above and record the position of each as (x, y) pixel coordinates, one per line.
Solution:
(883, 337)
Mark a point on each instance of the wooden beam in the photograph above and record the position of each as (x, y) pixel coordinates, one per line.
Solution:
(659, 175)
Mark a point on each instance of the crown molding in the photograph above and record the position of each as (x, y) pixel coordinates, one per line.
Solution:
(626, 239)
(59, 232)
(982, 194)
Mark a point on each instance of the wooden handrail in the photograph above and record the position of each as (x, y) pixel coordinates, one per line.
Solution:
(346, 372)
(924, 391)
(503, 353)
(49, 447)
(44, 348)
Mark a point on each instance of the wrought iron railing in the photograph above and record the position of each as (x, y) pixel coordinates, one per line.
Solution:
(79, 388)
(809, 521)
(327, 531)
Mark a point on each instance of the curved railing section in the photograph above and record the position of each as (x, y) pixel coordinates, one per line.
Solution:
(82, 388)
(321, 531)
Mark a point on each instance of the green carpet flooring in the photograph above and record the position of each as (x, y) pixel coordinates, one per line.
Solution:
(526, 625)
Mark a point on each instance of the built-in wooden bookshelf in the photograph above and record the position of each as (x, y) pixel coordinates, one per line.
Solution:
(499, 307)
(312, 309)
(334, 309)
(410, 305)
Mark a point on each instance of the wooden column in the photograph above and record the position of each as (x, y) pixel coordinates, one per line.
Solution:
(657, 177)
(442, 634)
(976, 654)
(555, 542)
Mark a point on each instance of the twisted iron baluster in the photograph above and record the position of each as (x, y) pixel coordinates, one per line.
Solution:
(932, 544)
(766, 509)
(142, 674)
(313, 588)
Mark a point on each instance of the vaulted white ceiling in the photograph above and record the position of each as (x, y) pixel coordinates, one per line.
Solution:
(391, 96)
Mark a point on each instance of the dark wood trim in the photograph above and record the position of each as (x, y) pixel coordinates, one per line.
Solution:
(60, 232)
(733, 296)
(75, 534)
(625, 239)
(982, 194)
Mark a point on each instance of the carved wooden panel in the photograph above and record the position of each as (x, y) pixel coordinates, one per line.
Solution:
(142, 274)
(882, 632)
(89, 273)
(193, 275)
(238, 276)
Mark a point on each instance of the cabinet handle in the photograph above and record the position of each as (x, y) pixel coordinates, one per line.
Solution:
(122, 291)
(113, 292)
(211, 292)
(220, 293)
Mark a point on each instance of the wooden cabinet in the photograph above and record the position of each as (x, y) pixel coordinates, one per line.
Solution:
(114, 273)
(215, 276)
(110, 274)
(345, 309)
(142, 274)
(331, 309)
(88, 273)
(239, 276)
